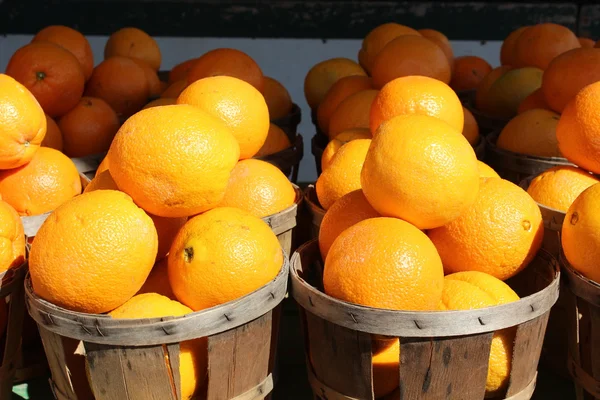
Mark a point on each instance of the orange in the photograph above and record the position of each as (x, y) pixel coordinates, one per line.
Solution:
(277, 98)
(578, 130)
(410, 55)
(482, 92)
(386, 366)
(51, 73)
(205, 267)
(53, 138)
(580, 233)
(567, 74)
(237, 104)
(323, 75)
(186, 145)
(470, 130)
(534, 100)
(181, 70)
(93, 270)
(485, 171)
(12, 245)
(48, 181)
(499, 234)
(193, 358)
(508, 51)
(532, 133)
(341, 139)
(120, 82)
(154, 85)
(586, 43)
(539, 44)
(421, 170)
(133, 43)
(384, 263)
(441, 40)
(71, 40)
(103, 166)
(158, 280)
(102, 181)
(471, 290)
(509, 90)
(227, 62)
(163, 101)
(22, 124)
(468, 72)
(558, 187)
(89, 128)
(378, 38)
(175, 89)
(349, 210)
(258, 188)
(277, 140)
(339, 92)
(417, 95)
(343, 175)
(353, 112)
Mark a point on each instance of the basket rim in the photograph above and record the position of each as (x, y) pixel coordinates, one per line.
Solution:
(421, 324)
(296, 149)
(581, 286)
(314, 206)
(103, 329)
(552, 224)
(468, 103)
(490, 141)
(285, 219)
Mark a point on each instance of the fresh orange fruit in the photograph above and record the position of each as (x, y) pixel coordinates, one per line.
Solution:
(53, 138)
(237, 104)
(71, 40)
(193, 358)
(185, 145)
(482, 91)
(340, 91)
(349, 210)
(175, 89)
(102, 181)
(579, 233)
(386, 366)
(276, 141)
(277, 98)
(93, 270)
(259, 188)
(539, 44)
(322, 76)
(353, 112)
(468, 72)
(508, 49)
(121, 83)
(227, 62)
(22, 124)
(415, 164)
(181, 70)
(377, 39)
(586, 43)
(567, 74)
(534, 100)
(558, 187)
(418, 95)
(441, 40)
(384, 263)
(205, 267)
(158, 280)
(472, 290)
(89, 128)
(578, 130)
(12, 245)
(532, 132)
(499, 234)
(339, 140)
(485, 171)
(506, 94)
(163, 101)
(48, 181)
(470, 129)
(51, 73)
(154, 85)
(343, 175)
(410, 55)
(133, 43)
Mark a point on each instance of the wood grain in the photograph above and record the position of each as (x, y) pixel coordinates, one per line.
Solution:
(316, 212)
(55, 354)
(283, 223)
(580, 285)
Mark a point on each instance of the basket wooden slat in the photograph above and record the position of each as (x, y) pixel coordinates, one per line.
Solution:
(317, 146)
(283, 224)
(315, 211)
(487, 123)
(288, 160)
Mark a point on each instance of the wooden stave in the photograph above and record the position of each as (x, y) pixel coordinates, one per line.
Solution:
(315, 210)
(578, 284)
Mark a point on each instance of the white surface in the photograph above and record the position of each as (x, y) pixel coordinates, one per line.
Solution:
(287, 60)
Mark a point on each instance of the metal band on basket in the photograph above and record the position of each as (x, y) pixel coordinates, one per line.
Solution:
(579, 285)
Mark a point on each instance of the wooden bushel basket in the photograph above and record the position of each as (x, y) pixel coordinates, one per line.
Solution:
(317, 147)
(289, 123)
(11, 292)
(516, 167)
(288, 160)
(583, 297)
(315, 211)
(443, 355)
(138, 359)
(487, 123)
(283, 223)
